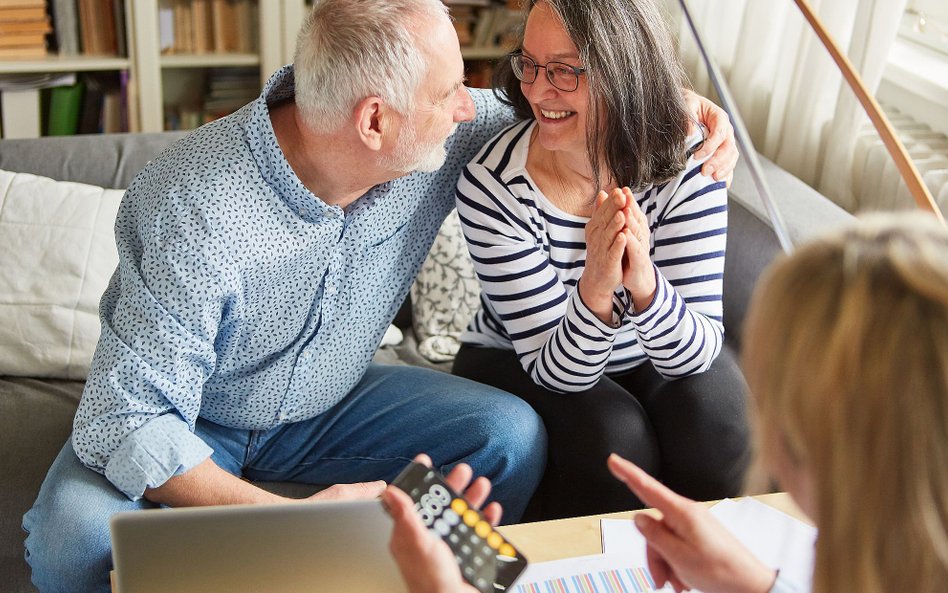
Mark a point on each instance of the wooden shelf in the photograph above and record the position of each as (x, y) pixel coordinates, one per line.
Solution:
(208, 60)
(55, 63)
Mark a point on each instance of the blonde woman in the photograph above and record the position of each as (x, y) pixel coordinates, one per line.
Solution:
(847, 360)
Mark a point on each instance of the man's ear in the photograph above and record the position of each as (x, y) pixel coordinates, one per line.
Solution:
(373, 118)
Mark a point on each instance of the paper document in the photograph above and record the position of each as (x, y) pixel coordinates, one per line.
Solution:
(601, 573)
(779, 540)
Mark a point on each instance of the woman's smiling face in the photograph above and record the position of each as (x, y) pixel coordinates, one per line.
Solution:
(561, 115)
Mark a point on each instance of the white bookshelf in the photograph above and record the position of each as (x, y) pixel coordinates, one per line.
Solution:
(151, 63)
(278, 22)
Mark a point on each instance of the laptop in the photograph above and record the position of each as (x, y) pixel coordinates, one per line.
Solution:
(336, 547)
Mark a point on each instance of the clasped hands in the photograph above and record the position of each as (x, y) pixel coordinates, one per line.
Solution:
(617, 253)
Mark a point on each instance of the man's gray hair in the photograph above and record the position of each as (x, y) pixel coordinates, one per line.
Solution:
(348, 50)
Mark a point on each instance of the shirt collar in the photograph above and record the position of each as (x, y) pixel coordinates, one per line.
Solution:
(273, 166)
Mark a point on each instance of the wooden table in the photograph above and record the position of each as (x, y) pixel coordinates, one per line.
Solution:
(581, 536)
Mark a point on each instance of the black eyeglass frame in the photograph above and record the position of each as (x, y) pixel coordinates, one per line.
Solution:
(519, 73)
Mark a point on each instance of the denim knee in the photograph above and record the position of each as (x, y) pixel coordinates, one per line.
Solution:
(511, 450)
(68, 546)
(519, 432)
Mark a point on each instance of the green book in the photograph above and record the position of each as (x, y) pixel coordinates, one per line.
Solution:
(65, 103)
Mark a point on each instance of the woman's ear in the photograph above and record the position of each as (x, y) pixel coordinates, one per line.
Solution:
(373, 119)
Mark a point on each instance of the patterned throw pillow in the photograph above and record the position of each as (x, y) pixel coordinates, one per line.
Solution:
(445, 295)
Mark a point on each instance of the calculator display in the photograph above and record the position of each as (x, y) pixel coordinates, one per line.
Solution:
(487, 561)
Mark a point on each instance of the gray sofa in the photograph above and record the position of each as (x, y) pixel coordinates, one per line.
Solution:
(36, 414)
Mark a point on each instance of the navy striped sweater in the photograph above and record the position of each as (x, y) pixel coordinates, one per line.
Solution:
(529, 256)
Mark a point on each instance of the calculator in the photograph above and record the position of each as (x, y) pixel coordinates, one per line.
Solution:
(487, 561)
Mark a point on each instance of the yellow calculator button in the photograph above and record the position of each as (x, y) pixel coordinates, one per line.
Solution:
(507, 550)
(470, 517)
(458, 506)
(482, 529)
(494, 540)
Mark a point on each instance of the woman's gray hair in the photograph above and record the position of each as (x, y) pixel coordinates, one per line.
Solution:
(638, 121)
(348, 50)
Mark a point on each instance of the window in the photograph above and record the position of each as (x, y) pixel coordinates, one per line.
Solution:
(926, 22)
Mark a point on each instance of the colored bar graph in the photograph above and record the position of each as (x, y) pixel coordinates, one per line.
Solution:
(629, 580)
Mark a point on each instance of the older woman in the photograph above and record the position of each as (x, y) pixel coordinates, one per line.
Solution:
(851, 393)
(601, 304)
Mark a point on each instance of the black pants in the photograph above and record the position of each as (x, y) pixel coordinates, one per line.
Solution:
(690, 433)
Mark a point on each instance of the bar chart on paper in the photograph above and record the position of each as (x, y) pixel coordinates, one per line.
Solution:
(589, 574)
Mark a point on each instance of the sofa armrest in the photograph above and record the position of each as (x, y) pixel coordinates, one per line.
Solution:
(752, 243)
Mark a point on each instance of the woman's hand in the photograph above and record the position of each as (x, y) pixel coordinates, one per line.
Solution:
(720, 143)
(687, 546)
(638, 276)
(605, 245)
(427, 563)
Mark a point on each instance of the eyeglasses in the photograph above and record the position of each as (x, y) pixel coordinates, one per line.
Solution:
(563, 76)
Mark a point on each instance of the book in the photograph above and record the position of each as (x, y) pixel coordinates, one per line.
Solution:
(245, 27)
(65, 103)
(88, 28)
(22, 53)
(23, 40)
(183, 41)
(20, 117)
(224, 22)
(21, 27)
(118, 26)
(66, 24)
(90, 114)
(201, 30)
(23, 13)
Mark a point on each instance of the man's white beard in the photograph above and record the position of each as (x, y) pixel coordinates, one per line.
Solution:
(409, 157)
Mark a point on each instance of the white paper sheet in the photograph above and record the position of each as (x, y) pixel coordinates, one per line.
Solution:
(601, 573)
(779, 540)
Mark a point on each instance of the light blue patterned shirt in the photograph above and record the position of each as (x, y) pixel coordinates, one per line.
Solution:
(241, 297)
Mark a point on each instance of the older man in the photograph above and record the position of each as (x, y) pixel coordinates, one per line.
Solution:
(260, 261)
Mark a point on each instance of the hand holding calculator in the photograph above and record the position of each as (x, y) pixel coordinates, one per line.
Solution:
(486, 560)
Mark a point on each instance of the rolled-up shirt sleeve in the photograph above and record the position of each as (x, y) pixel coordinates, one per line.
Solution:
(160, 316)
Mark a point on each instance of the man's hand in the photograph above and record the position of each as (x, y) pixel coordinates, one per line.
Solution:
(687, 546)
(425, 561)
(357, 491)
(719, 143)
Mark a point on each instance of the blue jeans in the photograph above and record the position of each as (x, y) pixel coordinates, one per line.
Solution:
(394, 413)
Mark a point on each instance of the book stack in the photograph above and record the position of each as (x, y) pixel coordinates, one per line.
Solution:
(24, 25)
(224, 91)
(229, 89)
(204, 26)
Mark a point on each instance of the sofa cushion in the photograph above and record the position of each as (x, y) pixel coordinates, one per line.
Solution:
(445, 295)
(57, 253)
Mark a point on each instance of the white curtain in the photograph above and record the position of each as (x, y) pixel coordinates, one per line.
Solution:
(798, 109)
